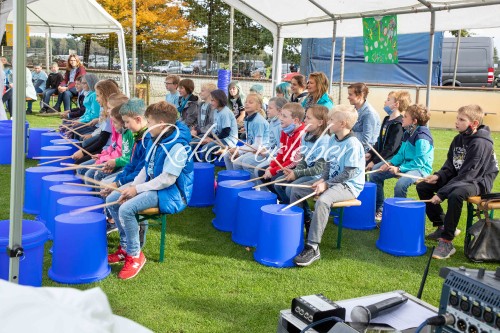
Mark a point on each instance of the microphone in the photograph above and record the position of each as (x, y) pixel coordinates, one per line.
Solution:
(365, 314)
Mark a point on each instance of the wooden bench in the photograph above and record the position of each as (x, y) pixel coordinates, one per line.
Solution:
(153, 214)
(339, 207)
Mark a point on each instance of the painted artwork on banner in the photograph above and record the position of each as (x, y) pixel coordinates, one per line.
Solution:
(380, 36)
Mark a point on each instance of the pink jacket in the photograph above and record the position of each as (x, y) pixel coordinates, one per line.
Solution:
(114, 150)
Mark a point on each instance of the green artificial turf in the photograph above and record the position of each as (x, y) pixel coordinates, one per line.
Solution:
(210, 284)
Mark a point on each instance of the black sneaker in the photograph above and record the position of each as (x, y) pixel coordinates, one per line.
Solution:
(435, 235)
(29, 111)
(43, 110)
(307, 256)
(110, 227)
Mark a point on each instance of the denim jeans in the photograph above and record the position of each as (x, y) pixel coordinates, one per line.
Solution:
(125, 217)
(401, 188)
(65, 98)
(99, 175)
(30, 103)
(83, 171)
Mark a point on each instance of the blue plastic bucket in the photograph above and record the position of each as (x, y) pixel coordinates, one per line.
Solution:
(60, 150)
(226, 200)
(57, 192)
(362, 217)
(47, 137)
(80, 250)
(68, 204)
(33, 187)
(35, 141)
(6, 144)
(402, 231)
(47, 182)
(280, 236)
(224, 175)
(203, 185)
(223, 79)
(249, 216)
(34, 236)
(65, 142)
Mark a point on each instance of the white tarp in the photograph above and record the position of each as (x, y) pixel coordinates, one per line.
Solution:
(69, 17)
(313, 18)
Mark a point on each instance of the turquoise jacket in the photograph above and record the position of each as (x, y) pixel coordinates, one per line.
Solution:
(324, 100)
(92, 108)
(174, 198)
(416, 152)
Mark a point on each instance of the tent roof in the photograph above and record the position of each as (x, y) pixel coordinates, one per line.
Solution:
(66, 17)
(313, 18)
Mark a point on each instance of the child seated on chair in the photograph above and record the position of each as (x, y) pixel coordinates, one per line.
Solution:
(412, 161)
(311, 160)
(293, 128)
(343, 177)
(165, 182)
(469, 170)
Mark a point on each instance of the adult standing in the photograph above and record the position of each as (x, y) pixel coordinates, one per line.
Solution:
(67, 89)
(317, 87)
(367, 127)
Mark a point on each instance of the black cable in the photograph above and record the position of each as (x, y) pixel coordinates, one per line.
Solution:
(311, 325)
(441, 320)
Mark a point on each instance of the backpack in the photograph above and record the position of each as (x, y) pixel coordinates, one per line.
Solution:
(482, 240)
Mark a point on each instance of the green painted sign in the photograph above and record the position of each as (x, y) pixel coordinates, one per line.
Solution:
(380, 37)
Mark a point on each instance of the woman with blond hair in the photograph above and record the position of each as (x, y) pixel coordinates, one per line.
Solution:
(317, 88)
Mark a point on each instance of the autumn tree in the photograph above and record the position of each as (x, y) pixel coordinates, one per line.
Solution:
(161, 28)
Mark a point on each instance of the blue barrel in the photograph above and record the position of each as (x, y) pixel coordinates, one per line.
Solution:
(219, 162)
(35, 141)
(249, 216)
(47, 182)
(226, 200)
(47, 137)
(223, 79)
(65, 142)
(7, 125)
(402, 231)
(280, 236)
(68, 204)
(34, 236)
(224, 175)
(33, 187)
(362, 217)
(80, 251)
(48, 151)
(203, 185)
(57, 192)
(6, 144)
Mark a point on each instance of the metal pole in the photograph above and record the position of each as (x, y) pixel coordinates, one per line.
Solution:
(431, 55)
(134, 49)
(457, 49)
(332, 57)
(47, 52)
(14, 249)
(231, 41)
(342, 62)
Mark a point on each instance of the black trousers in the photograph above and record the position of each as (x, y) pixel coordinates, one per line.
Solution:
(456, 200)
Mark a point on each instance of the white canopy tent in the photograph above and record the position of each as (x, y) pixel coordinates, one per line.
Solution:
(343, 18)
(69, 17)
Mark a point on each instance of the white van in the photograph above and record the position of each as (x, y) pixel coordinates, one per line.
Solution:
(475, 62)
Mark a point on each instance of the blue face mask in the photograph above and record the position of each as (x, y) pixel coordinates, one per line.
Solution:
(388, 110)
(289, 129)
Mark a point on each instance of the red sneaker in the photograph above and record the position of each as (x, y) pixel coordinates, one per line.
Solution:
(118, 256)
(132, 266)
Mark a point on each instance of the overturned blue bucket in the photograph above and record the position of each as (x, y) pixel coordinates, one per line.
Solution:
(226, 199)
(34, 236)
(203, 185)
(47, 137)
(35, 141)
(80, 251)
(280, 236)
(402, 231)
(362, 217)
(224, 175)
(33, 187)
(47, 182)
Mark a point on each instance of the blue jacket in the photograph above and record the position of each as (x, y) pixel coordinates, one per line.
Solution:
(174, 198)
(416, 152)
(132, 169)
(92, 108)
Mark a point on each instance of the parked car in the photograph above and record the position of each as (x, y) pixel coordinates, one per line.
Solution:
(248, 68)
(167, 66)
(200, 67)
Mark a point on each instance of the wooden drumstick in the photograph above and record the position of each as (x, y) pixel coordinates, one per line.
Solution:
(412, 201)
(299, 201)
(90, 180)
(56, 160)
(90, 208)
(247, 181)
(270, 183)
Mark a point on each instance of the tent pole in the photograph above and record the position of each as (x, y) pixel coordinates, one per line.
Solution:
(456, 57)
(123, 61)
(332, 58)
(17, 171)
(47, 51)
(277, 54)
(342, 62)
(134, 48)
(431, 51)
(231, 39)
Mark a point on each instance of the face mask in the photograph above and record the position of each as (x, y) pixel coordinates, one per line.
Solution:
(289, 129)
(468, 131)
(410, 128)
(388, 110)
